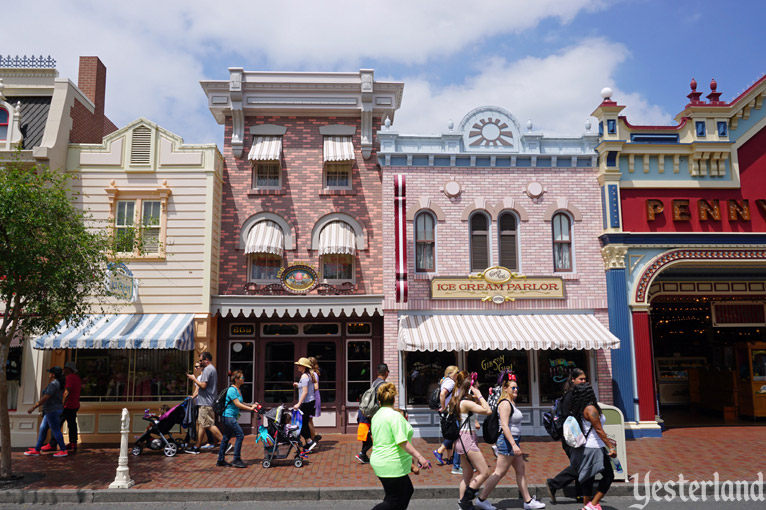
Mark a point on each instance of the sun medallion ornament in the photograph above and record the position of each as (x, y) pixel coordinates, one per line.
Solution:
(490, 128)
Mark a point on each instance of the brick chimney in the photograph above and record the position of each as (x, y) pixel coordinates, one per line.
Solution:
(92, 82)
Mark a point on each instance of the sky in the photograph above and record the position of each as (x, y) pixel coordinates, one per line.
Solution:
(543, 60)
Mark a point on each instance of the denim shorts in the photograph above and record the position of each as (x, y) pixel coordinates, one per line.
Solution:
(503, 448)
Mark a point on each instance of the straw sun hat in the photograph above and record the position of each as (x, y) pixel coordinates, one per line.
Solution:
(304, 362)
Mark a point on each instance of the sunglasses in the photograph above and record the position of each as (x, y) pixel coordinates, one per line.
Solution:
(514, 388)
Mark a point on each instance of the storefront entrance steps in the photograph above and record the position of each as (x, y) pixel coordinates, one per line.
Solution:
(642, 429)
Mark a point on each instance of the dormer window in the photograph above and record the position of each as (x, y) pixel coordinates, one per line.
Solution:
(265, 155)
(700, 127)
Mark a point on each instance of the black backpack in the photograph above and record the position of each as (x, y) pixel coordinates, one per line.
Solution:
(553, 421)
(434, 398)
(220, 402)
(490, 429)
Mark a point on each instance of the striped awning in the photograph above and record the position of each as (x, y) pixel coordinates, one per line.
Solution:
(265, 237)
(124, 331)
(501, 332)
(338, 148)
(337, 237)
(266, 148)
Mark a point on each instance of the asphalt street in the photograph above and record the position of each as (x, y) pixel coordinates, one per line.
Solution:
(623, 503)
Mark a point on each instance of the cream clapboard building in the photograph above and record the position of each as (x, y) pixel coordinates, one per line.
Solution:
(144, 183)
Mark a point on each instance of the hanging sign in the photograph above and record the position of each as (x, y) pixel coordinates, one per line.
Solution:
(120, 282)
(497, 284)
(298, 278)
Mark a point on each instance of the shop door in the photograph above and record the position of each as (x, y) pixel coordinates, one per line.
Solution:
(241, 357)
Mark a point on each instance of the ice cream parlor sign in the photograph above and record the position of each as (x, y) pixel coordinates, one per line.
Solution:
(497, 284)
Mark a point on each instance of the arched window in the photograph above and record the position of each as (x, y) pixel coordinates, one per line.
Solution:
(3, 124)
(507, 241)
(265, 246)
(562, 242)
(425, 242)
(479, 242)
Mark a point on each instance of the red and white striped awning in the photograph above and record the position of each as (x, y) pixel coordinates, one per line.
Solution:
(337, 237)
(266, 148)
(265, 237)
(464, 332)
(338, 148)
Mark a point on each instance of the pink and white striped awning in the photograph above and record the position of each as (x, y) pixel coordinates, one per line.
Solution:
(463, 332)
(337, 237)
(265, 237)
(338, 148)
(266, 148)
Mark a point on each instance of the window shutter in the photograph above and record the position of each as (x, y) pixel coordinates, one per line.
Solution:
(141, 144)
(508, 250)
(479, 255)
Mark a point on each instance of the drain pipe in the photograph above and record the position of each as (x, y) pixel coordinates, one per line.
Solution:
(122, 478)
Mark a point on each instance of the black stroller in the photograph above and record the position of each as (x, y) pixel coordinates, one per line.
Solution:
(160, 426)
(280, 437)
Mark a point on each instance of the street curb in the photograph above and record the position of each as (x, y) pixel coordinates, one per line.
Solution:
(80, 496)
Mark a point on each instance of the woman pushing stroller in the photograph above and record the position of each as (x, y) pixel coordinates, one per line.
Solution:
(230, 421)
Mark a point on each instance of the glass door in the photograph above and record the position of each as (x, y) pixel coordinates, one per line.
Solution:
(241, 357)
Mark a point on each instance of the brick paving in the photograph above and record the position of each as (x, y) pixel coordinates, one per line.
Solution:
(736, 453)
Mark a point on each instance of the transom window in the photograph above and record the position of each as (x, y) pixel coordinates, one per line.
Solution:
(425, 242)
(337, 267)
(3, 124)
(507, 242)
(267, 175)
(479, 242)
(562, 242)
(338, 175)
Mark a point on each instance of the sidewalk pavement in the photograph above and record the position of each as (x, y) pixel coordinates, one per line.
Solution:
(735, 453)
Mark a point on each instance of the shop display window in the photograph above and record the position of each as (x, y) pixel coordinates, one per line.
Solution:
(241, 358)
(326, 355)
(321, 329)
(424, 371)
(555, 368)
(133, 374)
(490, 364)
(359, 373)
(278, 372)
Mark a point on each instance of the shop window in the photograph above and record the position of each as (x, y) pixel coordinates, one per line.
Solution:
(507, 243)
(3, 124)
(425, 242)
(280, 329)
(133, 374)
(490, 364)
(424, 370)
(358, 369)
(264, 266)
(337, 175)
(337, 267)
(479, 242)
(267, 175)
(326, 354)
(359, 328)
(555, 368)
(321, 329)
(562, 242)
(241, 358)
(278, 370)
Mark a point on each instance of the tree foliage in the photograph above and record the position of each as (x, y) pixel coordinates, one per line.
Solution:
(52, 265)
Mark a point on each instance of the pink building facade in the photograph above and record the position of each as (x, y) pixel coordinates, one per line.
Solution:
(499, 261)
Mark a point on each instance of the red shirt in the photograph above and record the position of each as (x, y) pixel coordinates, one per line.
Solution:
(73, 385)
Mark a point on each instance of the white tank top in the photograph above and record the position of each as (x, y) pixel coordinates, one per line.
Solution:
(593, 440)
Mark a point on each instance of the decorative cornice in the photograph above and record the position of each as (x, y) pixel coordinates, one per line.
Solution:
(614, 256)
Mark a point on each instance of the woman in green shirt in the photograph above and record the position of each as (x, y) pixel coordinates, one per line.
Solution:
(391, 457)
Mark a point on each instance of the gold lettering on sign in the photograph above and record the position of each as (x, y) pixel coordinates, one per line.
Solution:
(709, 210)
(739, 210)
(653, 208)
(496, 364)
(681, 211)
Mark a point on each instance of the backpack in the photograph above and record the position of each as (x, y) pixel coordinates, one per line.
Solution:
(490, 429)
(369, 404)
(573, 433)
(450, 426)
(494, 396)
(434, 398)
(553, 421)
(220, 402)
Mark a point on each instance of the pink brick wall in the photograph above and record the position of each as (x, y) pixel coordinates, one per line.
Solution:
(303, 202)
(585, 288)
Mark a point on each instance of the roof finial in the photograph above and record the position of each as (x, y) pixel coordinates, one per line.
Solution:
(714, 97)
(694, 96)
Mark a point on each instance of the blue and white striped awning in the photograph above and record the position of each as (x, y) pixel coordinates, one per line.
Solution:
(124, 331)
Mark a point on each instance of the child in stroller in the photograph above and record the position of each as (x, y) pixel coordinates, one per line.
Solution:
(160, 426)
(281, 435)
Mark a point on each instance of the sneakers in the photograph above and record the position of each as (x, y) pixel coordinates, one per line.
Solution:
(591, 506)
(238, 464)
(310, 446)
(465, 505)
(551, 490)
(48, 448)
(71, 447)
(222, 463)
(62, 453)
(193, 450)
(534, 504)
(362, 458)
(229, 449)
(457, 471)
(32, 452)
(317, 437)
(484, 505)
(208, 446)
(439, 459)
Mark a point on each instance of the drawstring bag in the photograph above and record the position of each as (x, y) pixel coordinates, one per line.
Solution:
(573, 435)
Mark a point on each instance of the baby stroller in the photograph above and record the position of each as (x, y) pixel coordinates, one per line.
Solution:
(160, 426)
(281, 435)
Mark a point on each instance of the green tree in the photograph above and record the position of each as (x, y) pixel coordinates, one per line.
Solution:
(52, 264)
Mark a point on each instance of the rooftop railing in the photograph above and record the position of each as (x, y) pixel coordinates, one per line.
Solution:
(28, 62)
